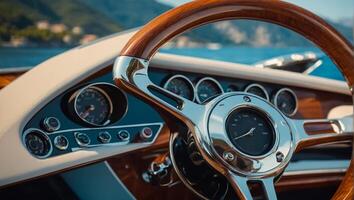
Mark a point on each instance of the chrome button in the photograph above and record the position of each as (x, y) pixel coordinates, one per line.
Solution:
(146, 133)
(51, 124)
(104, 137)
(61, 142)
(124, 135)
(82, 139)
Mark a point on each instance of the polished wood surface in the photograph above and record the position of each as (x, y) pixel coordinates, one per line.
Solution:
(311, 180)
(346, 189)
(314, 104)
(320, 128)
(6, 79)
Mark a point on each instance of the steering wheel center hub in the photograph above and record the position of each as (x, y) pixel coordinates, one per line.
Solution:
(249, 136)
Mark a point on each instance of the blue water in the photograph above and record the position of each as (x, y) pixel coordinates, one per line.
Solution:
(22, 57)
(16, 57)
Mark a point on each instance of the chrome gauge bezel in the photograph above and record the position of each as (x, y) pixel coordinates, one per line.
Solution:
(101, 87)
(258, 86)
(44, 135)
(207, 79)
(244, 164)
(275, 100)
(184, 78)
(94, 87)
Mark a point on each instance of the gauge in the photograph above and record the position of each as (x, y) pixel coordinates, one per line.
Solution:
(286, 101)
(250, 131)
(93, 106)
(207, 88)
(258, 90)
(181, 86)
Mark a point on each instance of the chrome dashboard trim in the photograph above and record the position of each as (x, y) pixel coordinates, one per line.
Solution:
(314, 171)
(207, 79)
(275, 99)
(258, 86)
(184, 78)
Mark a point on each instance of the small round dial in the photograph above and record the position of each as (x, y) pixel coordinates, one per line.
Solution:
(38, 143)
(286, 101)
(250, 131)
(207, 88)
(181, 86)
(93, 106)
(257, 90)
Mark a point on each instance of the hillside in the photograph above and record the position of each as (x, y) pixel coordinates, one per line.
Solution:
(21, 23)
(19, 18)
(131, 14)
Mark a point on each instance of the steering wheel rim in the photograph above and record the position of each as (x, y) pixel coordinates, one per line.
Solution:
(131, 73)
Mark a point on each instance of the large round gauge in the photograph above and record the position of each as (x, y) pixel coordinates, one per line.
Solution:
(250, 131)
(207, 88)
(258, 90)
(286, 101)
(181, 86)
(93, 106)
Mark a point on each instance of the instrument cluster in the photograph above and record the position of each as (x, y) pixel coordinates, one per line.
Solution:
(87, 116)
(204, 89)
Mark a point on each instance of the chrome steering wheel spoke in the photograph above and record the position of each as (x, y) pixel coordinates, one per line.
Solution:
(243, 190)
(132, 73)
(318, 131)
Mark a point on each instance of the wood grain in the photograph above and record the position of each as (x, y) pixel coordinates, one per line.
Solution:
(6, 79)
(314, 104)
(346, 189)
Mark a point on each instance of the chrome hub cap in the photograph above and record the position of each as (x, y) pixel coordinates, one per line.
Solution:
(224, 127)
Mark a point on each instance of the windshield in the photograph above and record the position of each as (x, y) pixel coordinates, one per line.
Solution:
(35, 30)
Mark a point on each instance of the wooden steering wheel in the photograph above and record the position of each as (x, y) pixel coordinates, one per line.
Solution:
(207, 122)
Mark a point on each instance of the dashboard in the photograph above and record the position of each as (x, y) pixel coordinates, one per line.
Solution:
(95, 113)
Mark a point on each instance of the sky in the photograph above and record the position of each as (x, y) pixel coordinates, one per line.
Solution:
(332, 9)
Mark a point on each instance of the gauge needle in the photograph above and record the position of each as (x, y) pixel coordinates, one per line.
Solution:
(250, 132)
(87, 111)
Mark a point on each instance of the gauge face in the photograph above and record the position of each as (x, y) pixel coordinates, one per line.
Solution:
(286, 101)
(250, 131)
(181, 86)
(93, 106)
(257, 90)
(207, 88)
